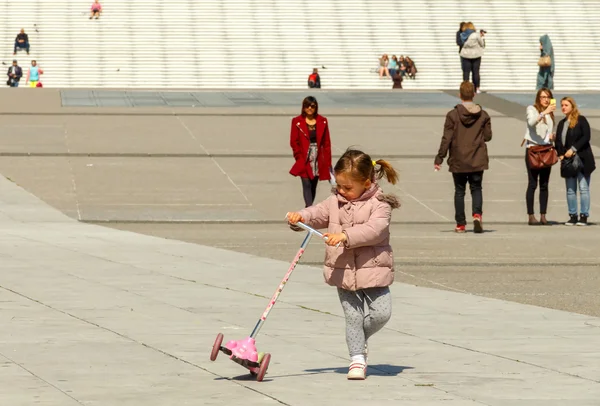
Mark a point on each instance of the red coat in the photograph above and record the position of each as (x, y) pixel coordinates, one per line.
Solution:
(300, 142)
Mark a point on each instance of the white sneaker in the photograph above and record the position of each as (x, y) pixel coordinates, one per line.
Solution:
(357, 371)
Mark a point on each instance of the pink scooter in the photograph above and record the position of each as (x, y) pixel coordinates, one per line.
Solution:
(244, 351)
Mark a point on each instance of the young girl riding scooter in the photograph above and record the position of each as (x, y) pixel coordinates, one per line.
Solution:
(358, 218)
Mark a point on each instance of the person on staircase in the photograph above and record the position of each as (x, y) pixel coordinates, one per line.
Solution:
(96, 10)
(14, 74)
(383, 66)
(471, 53)
(411, 68)
(545, 76)
(314, 80)
(33, 76)
(21, 42)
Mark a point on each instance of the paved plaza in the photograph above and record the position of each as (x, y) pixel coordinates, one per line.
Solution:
(136, 226)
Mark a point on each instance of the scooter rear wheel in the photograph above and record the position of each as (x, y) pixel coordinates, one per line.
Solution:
(264, 365)
(216, 347)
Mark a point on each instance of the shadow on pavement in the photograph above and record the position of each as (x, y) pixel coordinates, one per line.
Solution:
(375, 369)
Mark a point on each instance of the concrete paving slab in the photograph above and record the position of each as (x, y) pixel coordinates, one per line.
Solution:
(164, 135)
(141, 313)
(102, 316)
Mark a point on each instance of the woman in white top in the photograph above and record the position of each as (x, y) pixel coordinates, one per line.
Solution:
(473, 46)
(540, 127)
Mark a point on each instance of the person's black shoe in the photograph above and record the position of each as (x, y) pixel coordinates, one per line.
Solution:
(572, 221)
(582, 220)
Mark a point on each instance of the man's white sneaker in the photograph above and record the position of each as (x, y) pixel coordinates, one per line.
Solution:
(357, 371)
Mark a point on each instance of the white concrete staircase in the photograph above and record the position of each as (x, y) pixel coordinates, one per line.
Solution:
(276, 43)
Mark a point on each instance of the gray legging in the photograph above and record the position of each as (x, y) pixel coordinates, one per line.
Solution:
(359, 327)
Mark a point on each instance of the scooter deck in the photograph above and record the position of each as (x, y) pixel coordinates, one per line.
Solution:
(243, 362)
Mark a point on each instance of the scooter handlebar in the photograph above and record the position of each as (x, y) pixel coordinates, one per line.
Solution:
(309, 229)
(313, 231)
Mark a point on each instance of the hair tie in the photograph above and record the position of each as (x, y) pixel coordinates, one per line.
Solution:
(374, 163)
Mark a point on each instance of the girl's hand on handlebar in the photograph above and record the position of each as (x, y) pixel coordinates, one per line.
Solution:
(294, 217)
(335, 239)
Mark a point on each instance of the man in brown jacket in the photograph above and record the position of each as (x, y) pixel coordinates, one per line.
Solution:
(466, 131)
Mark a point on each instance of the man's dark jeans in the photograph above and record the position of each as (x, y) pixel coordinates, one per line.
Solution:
(22, 45)
(460, 186)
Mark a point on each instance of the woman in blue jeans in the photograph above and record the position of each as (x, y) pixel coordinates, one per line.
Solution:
(573, 137)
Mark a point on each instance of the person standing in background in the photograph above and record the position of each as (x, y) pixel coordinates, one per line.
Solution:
(466, 131)
(573, 136)
(311, 146)
(545, 76)
(471, 53)
(540, 124)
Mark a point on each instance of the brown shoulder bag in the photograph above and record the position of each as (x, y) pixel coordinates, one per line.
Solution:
(541, 156)
(545, 61)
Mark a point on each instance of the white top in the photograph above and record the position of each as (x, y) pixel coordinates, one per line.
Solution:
(538, 133)
(474, 46)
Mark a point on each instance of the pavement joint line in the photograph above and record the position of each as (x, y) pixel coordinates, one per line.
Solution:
(37, 376)
(18, 154)
(433, 282)
(278, 222)
(423, 204)
(498, 356)
(126, 337)
(72, 172)
(191, 133)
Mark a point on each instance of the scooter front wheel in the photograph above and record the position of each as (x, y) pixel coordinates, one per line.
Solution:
(216, 347)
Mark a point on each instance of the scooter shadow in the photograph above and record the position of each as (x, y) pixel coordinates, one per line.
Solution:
(373, 369)
(243, 378)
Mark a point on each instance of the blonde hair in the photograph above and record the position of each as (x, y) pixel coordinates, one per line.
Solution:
(470, 26)
(574, 115)
(361, 167)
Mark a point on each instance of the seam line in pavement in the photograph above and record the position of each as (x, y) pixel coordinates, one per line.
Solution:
(498, 356)
(279, 222)
(35, 375)
(150, 347)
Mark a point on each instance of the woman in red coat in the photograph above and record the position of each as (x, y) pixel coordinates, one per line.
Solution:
(311, 145)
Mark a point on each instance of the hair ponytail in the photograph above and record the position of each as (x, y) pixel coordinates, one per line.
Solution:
(360, 166)
(386, 169)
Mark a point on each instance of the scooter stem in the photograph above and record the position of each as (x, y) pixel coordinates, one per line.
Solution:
(263, 318)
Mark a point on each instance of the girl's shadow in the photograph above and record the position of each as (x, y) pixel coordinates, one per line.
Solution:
(375, 369)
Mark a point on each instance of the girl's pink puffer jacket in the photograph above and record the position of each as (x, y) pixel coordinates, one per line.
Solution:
(366, 260)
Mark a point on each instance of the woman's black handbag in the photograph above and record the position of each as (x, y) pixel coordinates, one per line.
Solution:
(571, 167)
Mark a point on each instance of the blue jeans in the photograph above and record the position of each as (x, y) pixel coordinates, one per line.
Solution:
(21, 45)
(584, 194)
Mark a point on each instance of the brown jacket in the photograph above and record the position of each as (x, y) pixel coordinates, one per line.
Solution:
(467, 129)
